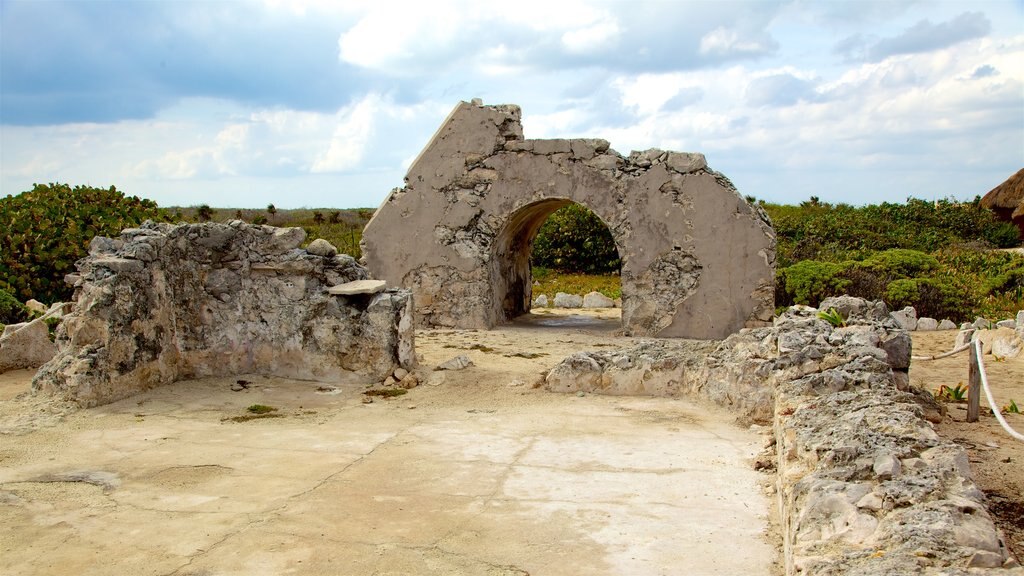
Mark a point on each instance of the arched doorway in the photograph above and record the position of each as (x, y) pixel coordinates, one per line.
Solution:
(511, 255)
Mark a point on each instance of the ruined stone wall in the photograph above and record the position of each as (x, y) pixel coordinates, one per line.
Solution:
(864, 483)
(697, 259)
(163, 303)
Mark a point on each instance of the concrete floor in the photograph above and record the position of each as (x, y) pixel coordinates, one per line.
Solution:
(471, 476)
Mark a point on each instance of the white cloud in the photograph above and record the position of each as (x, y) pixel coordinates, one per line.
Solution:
(348, 143)
(728, 41)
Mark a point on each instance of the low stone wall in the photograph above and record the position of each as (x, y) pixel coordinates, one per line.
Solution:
(163, 303)
(864, 484)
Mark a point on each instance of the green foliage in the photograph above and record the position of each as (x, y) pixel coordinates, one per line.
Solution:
(11, 311)
(822, 231)
(900, 263)
(1011, 408)
(809, 282)
(204, 213)
(260, 409)
(49, 227)
(574, 239)
(833, 317)
(551, 282)
(955, 394)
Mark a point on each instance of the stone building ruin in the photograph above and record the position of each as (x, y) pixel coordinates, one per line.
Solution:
(697, 259)
(163, 303)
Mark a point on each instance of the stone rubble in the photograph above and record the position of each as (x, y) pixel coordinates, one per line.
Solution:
(597, 300)
(864, 483)
(563, 300)
(163, 303)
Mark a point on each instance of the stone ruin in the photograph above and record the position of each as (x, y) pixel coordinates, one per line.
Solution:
(163, 303)
(864, 484)
(697, 259)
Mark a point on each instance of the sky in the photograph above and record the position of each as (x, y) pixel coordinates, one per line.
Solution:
(325, 103)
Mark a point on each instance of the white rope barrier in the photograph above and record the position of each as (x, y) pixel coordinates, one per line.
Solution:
(944, 355)
(988, 394)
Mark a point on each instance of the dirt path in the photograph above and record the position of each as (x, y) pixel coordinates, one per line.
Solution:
(474, 473)
(997, 460)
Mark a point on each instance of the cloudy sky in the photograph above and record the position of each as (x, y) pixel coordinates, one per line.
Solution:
(324, 103)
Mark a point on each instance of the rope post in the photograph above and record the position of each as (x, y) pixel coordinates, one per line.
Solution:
(973, 383)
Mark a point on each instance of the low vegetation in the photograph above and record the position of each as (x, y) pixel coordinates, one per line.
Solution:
(943, 257)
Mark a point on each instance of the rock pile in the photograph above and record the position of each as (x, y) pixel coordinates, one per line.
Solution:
(163, 303)
(865, 485)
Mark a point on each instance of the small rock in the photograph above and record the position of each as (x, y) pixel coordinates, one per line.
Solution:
(389, 381)
(563, 300)
(458, 363)
(1001, 324)
(541, 302)
(36, 306)
(1007, 346)
(927, 324)
(906, 318)
(400, 373)
(985, 559)
(963, 337)
(947, 324)
(870, 501)
(367, 400)
(409, 382)
(981, 324)
(517, 383)
(597, 300)
(581, 394)
(321, 247)
(886, 466)
(436, 379)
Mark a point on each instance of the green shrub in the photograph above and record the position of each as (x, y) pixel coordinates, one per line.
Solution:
(900, 263)
(49, 228)
(574, 239)
(809, 282)
(11, 311)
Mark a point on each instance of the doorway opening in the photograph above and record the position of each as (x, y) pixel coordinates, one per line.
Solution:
(565, 243)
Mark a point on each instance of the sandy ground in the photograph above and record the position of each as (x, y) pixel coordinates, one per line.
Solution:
(476, 472)
(997, 460)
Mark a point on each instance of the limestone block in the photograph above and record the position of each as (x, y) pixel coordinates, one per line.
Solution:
(1001, 324)
(36, 306)
(563, 300)
(25, 346)
(357, 287)
(551, 146)
(321, 247)
(1007, 346)
(685, 163)
(541, 302)
(927, 324)
(963, 337)
(981, 324)
(457, 363)
(907, 318)
(597, 300)
(947, 324)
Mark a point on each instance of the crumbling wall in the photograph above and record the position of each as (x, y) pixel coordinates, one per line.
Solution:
(864, 484)
(163, 303)
(697, 259)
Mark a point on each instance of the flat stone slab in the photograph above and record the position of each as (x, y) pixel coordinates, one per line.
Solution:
(358, 287)
(469, 477)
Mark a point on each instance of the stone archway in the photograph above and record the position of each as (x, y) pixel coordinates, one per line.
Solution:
(697, 259)
(511, 252)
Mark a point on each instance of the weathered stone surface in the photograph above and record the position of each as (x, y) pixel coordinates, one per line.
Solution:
(947, 324)
(907, 318)
(1007, 346)
(541, 302)
(698, 259)
(457, 363)
(1006, 324)
(963, 337)
(358, 287)
(982, 324)
(219, 299)
(597, 300)
(563, 300)
(25, 345)
(321, 247)
(927, 324)
(865, 484)
(36, 306)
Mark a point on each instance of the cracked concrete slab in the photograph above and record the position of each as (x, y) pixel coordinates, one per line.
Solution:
(473, 476)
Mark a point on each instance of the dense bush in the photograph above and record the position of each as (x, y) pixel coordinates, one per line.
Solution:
(574, 239)
(11, 311)
(49, 227)
(822, 231)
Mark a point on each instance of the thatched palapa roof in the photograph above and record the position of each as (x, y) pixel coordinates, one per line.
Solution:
(1007, 196)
